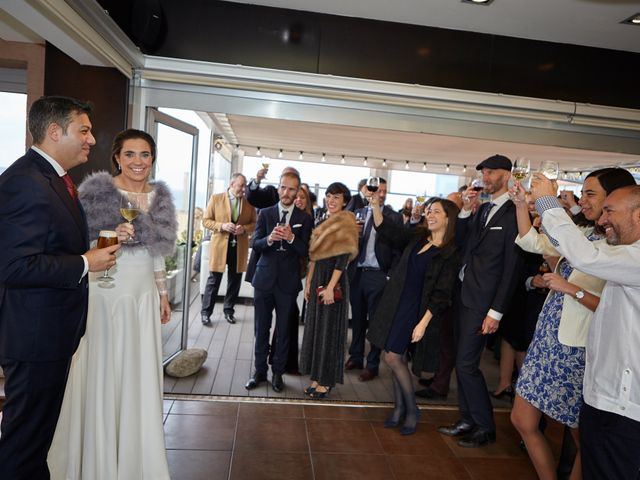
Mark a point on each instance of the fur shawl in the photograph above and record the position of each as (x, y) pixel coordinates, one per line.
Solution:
(156, 229)
(335, 236)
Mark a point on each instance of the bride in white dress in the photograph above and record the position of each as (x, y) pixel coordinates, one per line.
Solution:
(110, 426)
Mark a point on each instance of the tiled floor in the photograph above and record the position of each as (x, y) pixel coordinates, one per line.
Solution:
(210, 440)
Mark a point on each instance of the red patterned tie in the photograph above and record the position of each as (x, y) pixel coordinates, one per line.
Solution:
(71, 188)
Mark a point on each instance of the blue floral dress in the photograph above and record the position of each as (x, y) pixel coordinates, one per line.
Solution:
(551, 376)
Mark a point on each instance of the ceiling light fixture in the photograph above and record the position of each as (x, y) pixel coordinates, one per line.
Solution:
(280, 154)
(406, 165)
(384, 162)
(342, 160)
(424, 167)
(464, 169)
(365, 161)
(478, 2)
(632, 20)
(448, 168)
(258, 152)
(301, 156)
(324, 157)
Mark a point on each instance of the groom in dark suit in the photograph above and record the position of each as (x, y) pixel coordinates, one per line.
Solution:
(491, 265)
(44, 259)
(281, 239)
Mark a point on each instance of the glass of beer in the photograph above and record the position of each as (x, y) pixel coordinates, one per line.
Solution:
(129, 209)
(106, 238)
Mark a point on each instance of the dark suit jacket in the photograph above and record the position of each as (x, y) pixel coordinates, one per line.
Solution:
(43, 302)
(262, 197)
(492, 259)
(386, 253)
(356, 203)
(280, 268)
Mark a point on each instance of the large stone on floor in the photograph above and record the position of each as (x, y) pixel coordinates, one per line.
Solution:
(186, 363)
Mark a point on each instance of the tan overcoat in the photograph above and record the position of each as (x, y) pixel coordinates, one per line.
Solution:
(219, 212)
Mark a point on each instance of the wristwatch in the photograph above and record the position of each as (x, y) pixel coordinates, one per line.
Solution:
(580, 294)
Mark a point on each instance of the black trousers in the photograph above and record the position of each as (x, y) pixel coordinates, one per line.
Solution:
(365, 292)
(292, 357)
(34, 393)
(446, 355)
(473, 397)
(265, 302)
(234, 280)
(609, 444)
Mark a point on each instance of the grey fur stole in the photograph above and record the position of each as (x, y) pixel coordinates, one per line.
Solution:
(156, 229)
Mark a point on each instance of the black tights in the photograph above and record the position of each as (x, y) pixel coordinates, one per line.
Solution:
(403, 393)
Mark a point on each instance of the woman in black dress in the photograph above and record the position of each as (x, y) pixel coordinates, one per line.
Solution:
(334, 243)
(412, 305)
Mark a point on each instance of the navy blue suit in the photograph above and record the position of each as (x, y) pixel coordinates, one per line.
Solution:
(43, 307)
(277, 282)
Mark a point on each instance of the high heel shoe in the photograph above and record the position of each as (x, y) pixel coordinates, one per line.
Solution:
(506, 393)
(316, 395)
(393, 423)
(410, 430)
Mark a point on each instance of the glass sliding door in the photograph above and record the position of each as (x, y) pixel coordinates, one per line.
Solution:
(176, 165)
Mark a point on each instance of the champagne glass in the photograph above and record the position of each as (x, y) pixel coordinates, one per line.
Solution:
(549, 169)
(281, 247)
(106, 238)
(521, 170)
(129, 209)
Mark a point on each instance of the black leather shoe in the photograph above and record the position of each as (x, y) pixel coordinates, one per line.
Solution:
(477, 438)
(229, 318)
(256, 380)
(457, 429)
(505, 394)
(205, 319)
(276, 382)
(431, 394)
(425, 382)
(367, 375)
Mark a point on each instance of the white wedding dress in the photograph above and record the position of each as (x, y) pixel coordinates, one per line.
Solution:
(110, 426)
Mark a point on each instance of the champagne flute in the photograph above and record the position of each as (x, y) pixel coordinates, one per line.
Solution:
(281, 247)
(549, 169)
(106, 238)
(129, 209)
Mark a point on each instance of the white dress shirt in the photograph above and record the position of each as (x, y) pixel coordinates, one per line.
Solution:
(612, 372)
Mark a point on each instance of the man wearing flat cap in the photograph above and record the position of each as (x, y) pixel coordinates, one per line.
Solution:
(491, 263)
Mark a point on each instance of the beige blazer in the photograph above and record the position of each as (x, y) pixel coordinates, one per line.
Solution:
(575, 318)
(219, 212)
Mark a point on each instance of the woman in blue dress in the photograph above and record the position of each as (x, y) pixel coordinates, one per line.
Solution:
(412, 304)
(550, 381)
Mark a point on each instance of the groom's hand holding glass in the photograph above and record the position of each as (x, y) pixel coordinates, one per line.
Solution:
(101, 259)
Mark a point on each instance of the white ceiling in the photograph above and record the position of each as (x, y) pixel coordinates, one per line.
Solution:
(595, 23)
(398, 147)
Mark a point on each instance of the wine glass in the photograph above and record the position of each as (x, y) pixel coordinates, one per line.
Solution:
(129, 209)
(281, 247)
(421, 198)
(520, 171)
(265, 165)
(372, 184)
(549, 169)
(477, 185)
(106, 238)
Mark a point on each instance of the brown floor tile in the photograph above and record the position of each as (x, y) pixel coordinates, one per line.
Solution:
(426, 439)
(198, 464)
(506, 446)
(270, 410)
(270, 466)
(380, 414)
(195, 407)
(342, 436)
(335, 413)
(493, 468)
(441, 417)
(427, 467)
(271, 434)
(332, 466)
(199, 432)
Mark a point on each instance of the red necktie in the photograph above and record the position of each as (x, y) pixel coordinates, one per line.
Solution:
(71, 188)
